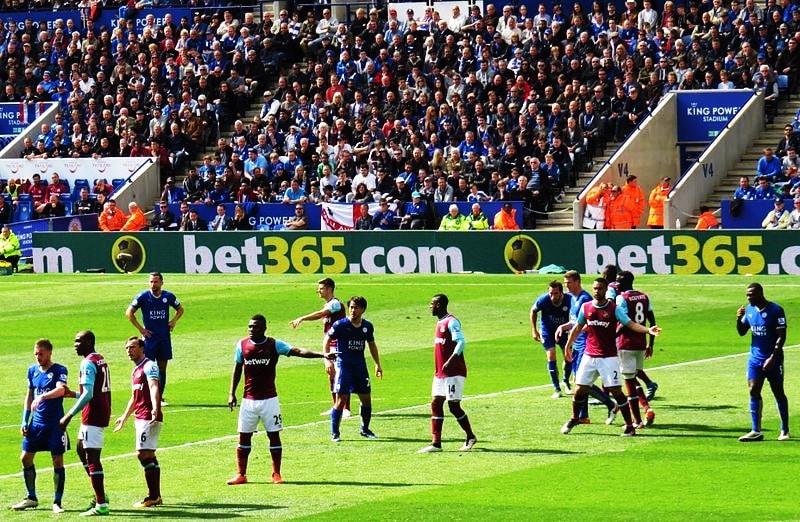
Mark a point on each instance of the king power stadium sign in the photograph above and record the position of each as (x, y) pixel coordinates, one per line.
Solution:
(497, 252)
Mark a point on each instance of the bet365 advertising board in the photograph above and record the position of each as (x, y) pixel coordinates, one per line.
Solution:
(399, 252)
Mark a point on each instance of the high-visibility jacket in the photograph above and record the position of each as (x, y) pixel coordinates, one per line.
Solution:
(657, 197)
(506, 220)
(109, 220)
(636, 196)
(619, 213)
(706, 220)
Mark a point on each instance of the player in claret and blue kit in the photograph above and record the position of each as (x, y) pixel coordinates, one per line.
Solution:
(256, 356)
(353, 335)
(766, 321)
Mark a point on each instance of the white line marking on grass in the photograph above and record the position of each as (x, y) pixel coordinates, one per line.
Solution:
(387, 412)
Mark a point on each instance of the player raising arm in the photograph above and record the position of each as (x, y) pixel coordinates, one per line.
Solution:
(601, 317)
(331, 311)
(256, 357)
(766, 321)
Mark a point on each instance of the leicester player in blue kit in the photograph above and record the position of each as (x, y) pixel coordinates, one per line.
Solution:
(155, 304)
(43, 408)
(767, 323)
(554, 307)
(353, 335)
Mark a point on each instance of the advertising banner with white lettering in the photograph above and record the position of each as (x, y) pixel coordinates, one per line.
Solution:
(70, 169)
(703, 114)
(401, 252)
(45, 19)
(15, 117)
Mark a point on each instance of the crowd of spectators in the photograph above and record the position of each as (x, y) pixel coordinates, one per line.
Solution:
(458, 106)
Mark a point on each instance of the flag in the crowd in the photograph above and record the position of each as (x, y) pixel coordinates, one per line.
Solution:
(342, 216)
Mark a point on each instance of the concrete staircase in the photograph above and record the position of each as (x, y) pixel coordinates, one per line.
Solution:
(561, 217)
(749, 158)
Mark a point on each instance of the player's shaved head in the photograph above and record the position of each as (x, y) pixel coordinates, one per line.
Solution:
(442, 299)
(259, 318)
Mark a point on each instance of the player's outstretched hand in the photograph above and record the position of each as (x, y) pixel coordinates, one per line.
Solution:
(295, 322)
(232, 401)
(331, 356)
(654, 330)
(119, 424)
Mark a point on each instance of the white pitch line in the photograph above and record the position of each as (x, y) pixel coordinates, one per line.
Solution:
(396, 410)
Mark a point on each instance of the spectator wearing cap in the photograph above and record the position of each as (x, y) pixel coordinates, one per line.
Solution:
(414, 213)
(655, 218)
(778, 218)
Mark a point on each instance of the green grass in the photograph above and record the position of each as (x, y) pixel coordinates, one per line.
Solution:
(688, 467)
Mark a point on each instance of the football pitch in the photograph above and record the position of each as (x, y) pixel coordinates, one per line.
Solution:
(688, 466)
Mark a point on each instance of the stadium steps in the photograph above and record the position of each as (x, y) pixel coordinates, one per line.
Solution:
(749, 158)
(560, 218)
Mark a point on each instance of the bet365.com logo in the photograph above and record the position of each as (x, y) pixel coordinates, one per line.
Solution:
(522, 253)
(128, 254)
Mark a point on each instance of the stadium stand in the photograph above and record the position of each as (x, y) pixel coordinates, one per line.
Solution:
(467, 94)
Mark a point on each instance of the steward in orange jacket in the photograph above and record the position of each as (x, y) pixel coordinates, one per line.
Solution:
(111, 218)
(619, 211)
(655, 219)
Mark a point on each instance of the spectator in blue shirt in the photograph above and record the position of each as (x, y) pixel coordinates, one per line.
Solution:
(384, 218)
(745, 190)
(764, 189)
(769, 166)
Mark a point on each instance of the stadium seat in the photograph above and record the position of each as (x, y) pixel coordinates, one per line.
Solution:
(67, 200)
(117, 183)
(80, 184)
(24, 209)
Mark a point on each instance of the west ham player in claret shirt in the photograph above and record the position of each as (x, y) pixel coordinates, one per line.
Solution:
(256, 356)
(352, 335)
(633, 347)
(450, 375)
(94, 402)
(766, 321)
(601, 318)
(145, 404)
(332, 311)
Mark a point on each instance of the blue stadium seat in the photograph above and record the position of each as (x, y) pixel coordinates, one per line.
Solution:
(80, 184)
(67, 200)
(24, 209)
(116, 183)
